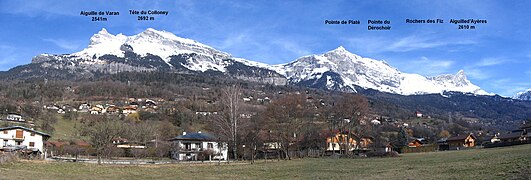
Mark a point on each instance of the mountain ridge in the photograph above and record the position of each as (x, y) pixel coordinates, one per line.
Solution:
(355, 70)
(338, 69)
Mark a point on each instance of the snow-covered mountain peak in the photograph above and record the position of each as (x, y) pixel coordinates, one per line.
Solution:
(151, 41)
(524, 95)
(353, 70)
(341, 54)
(167, 36)
(340, 50)
(103, 31)
(458, 79)
(101, 37)
(461, 74)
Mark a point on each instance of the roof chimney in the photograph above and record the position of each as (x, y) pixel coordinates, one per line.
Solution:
(184, 133)
(199, 132)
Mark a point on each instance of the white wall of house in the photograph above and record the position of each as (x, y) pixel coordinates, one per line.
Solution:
(128, 111)
(333, 146)
(31, 140)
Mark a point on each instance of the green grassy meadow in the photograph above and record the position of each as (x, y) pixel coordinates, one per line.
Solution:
(497, 163)
(65, 129)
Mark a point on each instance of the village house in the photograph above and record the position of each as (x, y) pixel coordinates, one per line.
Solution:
(495, 139)
(246, 115)
(134, 104)
(14, 117)
(198, 146)
(98, 109)
(84, 107)
(112, 109)
(204, 113)
(418, 114)
(61, 111)
(415, 143)
(150, 104)
(126, 144)
(341, 142)
(518, 135)
(270, 146)
(129, 110)
(273, 145)
(466, 140)
(487, 139)
(18, 136)
(511, 137)
(51, 107)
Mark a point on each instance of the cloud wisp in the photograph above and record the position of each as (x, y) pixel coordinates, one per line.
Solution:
(427, 66)
(403, 44)
(65, 44)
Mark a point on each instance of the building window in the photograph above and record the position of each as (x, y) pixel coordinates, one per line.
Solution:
(187, 146)
(31, 144)
(5, 143)
(198, 146)
(210, 146)
(19, 134)
(18, 143)
(32, 134)
(5, 131)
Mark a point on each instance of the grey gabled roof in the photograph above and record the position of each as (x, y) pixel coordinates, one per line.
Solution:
(199, 136)
(25, 128)
(510, 135)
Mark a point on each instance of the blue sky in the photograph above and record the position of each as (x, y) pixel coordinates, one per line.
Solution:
(496, 56)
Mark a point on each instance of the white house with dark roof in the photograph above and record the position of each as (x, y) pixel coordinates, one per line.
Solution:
(14, 117)
(22, 136)
(198, 146)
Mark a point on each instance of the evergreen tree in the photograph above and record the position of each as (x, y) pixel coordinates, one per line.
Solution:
(402, 138)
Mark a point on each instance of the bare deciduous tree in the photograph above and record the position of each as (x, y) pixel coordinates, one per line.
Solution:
(101, 135)
(227, 122)
(346, 115)
(286, 116)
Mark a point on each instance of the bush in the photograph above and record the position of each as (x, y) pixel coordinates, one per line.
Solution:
(8, 158)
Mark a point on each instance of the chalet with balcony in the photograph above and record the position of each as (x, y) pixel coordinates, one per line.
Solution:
(198, 146)
(342, 141)
(462, 141)
(18, 136)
